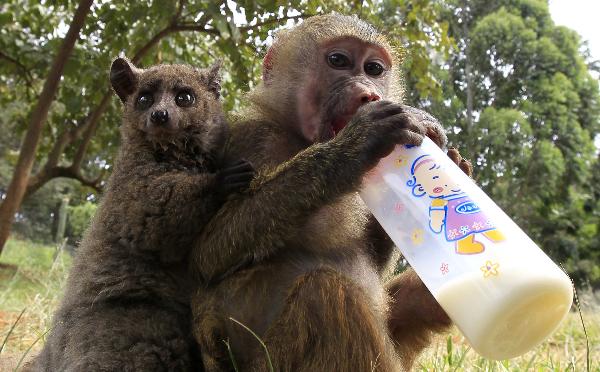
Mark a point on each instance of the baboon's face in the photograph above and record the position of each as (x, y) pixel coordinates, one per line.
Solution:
(349, 73)
(167, 102)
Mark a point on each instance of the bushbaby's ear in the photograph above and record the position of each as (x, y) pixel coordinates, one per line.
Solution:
(123, 78)
(214, 78)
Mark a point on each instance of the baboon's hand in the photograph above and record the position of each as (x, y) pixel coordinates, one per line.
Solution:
(377, 128)
(235, 178)
(463, 164)
(435, 131)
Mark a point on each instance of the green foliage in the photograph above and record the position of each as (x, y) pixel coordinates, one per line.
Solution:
(37, 217)
(193, 32)
(514, 89)
(79, 219)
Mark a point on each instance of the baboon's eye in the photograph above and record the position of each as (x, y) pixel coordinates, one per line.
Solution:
(374, 68)
(144, 101)
(338, 60)
(184, 98)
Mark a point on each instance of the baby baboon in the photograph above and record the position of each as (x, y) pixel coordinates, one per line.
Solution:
(298, 259)
(127, 301)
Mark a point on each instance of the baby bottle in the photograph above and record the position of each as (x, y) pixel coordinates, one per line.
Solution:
(501, 290)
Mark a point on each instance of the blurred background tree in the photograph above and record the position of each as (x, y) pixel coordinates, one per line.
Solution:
(514, 89)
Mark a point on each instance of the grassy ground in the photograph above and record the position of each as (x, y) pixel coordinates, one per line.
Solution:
(31, 281)
(564, 351)
(32, 277)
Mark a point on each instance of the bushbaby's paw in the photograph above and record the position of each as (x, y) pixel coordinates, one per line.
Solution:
(236, 178)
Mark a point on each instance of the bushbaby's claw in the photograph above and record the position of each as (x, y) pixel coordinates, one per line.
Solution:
(236, 178)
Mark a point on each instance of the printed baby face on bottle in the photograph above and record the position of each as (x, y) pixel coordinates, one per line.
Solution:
(432, 179)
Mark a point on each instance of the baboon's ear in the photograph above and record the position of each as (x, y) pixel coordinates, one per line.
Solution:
(123, 78)
(214, 78)
(268, 65)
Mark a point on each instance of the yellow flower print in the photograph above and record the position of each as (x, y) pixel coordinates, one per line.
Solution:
(417, 236)
(490, 268)
(401, 161)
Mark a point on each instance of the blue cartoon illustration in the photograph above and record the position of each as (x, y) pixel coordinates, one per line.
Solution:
(451, 212)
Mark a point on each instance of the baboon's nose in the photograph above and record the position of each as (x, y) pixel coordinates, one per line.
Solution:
(159, 116)
(367, 97)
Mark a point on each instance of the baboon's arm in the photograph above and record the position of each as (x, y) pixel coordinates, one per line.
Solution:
(279, 203)
(253, 226)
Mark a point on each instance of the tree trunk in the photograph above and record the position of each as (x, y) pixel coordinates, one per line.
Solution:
(62, 220)
(466, 18)
(469, 78)
(18, 184)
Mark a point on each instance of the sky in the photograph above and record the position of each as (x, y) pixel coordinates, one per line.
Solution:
(582, 16)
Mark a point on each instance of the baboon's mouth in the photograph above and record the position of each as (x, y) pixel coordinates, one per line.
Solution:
(339, 123)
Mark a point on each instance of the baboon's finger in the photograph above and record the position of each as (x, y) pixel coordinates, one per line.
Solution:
(454, 155)
(408, 137)
(402, 121)
(383, 109)
(241, 166)
(466, 167)
(435, 136)
(234, 187)
(239, 177)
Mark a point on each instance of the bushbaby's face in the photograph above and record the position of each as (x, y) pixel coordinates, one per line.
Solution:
(167, 102)
(435, 182)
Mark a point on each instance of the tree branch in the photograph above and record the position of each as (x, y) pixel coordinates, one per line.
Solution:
(22, 171)
(90, 129)
(271, 21)
(87, 129)
(180, 6)
(26, 73)
(151, 43)
(65, 172)
(194, 27)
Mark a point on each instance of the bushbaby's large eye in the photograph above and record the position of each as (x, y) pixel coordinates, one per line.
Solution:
(144, 101)
(184, 99)
(338, 60)
(374, 68)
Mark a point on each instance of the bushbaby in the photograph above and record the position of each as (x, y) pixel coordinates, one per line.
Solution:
(127, 301)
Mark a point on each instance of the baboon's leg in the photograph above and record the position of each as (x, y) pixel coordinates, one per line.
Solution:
(209, 331)
(414, 317)
(327, 324)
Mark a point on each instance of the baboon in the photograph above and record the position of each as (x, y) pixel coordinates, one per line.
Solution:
(127, 301)
(298, 259)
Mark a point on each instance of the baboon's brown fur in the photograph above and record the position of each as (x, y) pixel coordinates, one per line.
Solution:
(127, 302)
(299, 259)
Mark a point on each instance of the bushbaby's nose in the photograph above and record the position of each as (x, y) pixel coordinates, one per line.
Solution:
(159, 116)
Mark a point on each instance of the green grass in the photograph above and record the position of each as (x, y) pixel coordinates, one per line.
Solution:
(564, 351)
(32, 278)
